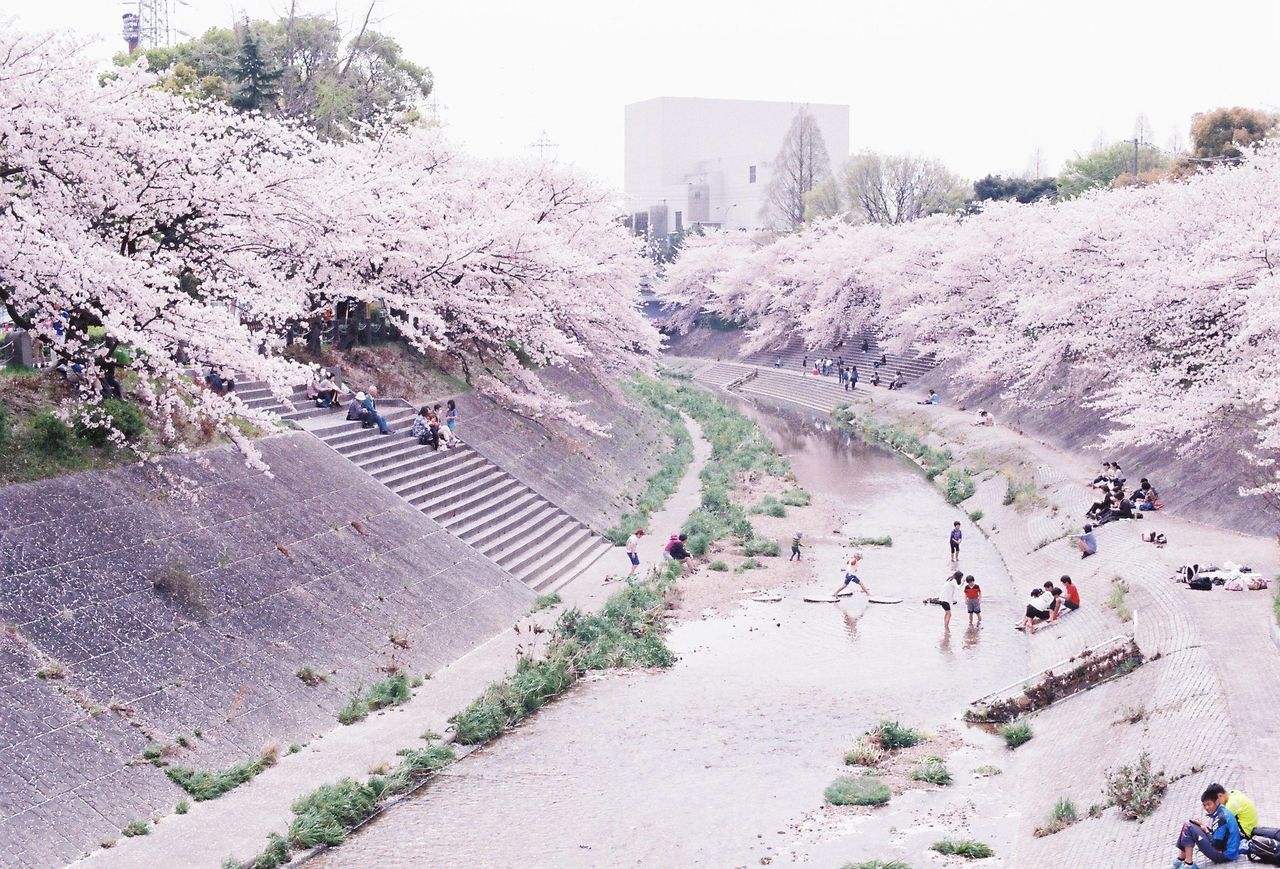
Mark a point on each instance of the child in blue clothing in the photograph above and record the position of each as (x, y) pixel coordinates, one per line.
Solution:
(1218, 838)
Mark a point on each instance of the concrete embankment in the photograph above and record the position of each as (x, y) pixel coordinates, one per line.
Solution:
(1206, 702)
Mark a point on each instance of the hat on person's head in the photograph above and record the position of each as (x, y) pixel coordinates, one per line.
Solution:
(360, 396)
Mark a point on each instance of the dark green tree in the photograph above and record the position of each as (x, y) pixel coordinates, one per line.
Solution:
(259, 79)
(1022, 189)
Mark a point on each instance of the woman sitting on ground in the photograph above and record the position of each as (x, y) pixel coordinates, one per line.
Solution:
(682, 555)
(1035, 612)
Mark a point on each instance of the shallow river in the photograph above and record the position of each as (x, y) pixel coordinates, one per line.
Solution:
(722, 760)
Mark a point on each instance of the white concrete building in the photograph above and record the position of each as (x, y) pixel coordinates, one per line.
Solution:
(701, 161)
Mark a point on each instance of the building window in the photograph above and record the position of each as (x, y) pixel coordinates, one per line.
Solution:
(679, 221)
(751, 175)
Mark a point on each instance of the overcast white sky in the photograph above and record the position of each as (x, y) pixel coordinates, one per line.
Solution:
(981, 84)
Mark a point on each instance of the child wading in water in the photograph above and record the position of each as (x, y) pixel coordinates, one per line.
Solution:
(956, 536)
(795, 547)
(973, 600)
(851, 577)
(947, 600)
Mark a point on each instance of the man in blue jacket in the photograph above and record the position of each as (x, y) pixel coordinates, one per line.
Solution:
(1218, 838)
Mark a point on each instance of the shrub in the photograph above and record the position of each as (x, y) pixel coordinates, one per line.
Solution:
(969, 848)
(848, 790)
(770, 506)
(749, 564)
(975, 515)
(959, 486)
(113, 413)
(933, 771)
(717, 566)
(796, 498)
(545, 600)
(1135, 789)
(761, 546)
(1062, 815)
(886, 540)
(865, 752)
(891, 735)
(202, 785)
(50, 435)
(1016, 734)
(136, 828)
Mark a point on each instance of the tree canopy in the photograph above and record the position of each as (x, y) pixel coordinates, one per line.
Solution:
(1225, 134)
(1102, 166)
(888, 189)
(801, 165)
(1024, 190)
(300, 68)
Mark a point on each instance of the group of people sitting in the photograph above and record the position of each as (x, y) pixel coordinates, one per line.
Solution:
(1048, 602)
(1230, 831)
(429, 430)
(1114, 502)
(323, 389)
(677, 550)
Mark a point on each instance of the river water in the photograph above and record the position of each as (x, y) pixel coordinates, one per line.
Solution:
(722, 760)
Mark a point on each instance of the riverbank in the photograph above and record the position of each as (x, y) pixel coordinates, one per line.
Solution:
(1207, 702)
(238, 823)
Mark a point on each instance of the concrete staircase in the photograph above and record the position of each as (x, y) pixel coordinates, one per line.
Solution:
(819, 393)
(475, 499)
(256, 395)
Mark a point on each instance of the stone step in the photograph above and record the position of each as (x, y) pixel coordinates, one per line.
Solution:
(498, 521)
(517, 558)
(431, 463)
(474, 522)
(557, 569)
(459, 483)
(367, 452)
(396, 452)
(518, 535)
(443, 512)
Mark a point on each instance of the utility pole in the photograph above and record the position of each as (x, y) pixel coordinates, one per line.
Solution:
(1135, 157)
(543, 144)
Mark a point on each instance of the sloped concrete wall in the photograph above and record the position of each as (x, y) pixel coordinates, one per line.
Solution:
(594, 478)
(319, 565)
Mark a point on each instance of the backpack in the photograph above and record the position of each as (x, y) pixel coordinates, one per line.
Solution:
(1201, 583)
(1264, 846)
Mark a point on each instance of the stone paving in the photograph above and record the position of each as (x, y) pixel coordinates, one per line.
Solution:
(1209, 700)
(318, 565)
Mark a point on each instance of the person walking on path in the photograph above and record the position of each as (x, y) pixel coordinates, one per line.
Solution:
(956, 536)
(795, 547)
(947, 599)
(851, 577)
(853, 379)
(632, 552)
(973, 599)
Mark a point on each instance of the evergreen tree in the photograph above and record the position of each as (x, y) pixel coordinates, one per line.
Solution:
(259, 80)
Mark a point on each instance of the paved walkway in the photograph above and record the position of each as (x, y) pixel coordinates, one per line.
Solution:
(238, 823)
(1210, 699)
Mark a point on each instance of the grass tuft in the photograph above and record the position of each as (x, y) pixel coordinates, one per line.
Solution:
(749, 564)
(796, 498)
(876, 864)
(975, 515)
(310, 675)
(933, 771)
(136, 828)
(987, 771)
(848, 790)
(770, 506)
(886, 540)
(959, 486)
(545, 601)
(968, 848)
(718, 565)
(1016, 734)
(1117, 602)
(202, 785)
(891, 735)
(391, 691)
(865, 752)
(1062, 815)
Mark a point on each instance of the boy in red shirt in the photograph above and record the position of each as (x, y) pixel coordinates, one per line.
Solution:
(1073, 594)
(973, 600)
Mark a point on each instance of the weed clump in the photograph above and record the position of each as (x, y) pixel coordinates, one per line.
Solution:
(865, 752)
(959, 486)
(968, 848)
(136, 828)
(749, 564)
(324, 816)
(545, 601)
(176, 583)
(987, 770)
(891, 735)
(975, 515)
(1062, 815)
(796, 498)
(203, 785)
(718, 566)
(848, 790)
(391, 691)
(933, 771)
(1135, 789)
(876, 864)
(310, 676)
(761, 546)
(885, 540)
(1016, 734)
(1119, 590)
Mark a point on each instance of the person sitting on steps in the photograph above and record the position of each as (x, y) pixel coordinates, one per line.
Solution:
(356, 411)
(423, 430)
(370, 404)
(1218, 838)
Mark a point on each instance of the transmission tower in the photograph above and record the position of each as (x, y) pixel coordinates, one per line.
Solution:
(146, 24)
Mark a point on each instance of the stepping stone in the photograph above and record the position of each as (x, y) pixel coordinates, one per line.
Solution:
(817, 598)
(884, 600)
(767, 598)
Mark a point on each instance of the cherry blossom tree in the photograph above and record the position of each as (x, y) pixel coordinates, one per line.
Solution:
(1154, 307)
(192, 235)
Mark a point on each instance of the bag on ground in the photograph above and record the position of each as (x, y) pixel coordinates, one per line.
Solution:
(1201, 583)
(1264, 846)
